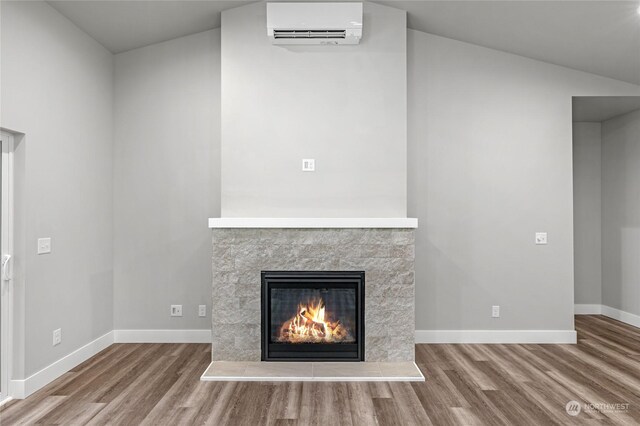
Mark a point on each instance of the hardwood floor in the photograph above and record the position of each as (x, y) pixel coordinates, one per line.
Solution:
(157, 384)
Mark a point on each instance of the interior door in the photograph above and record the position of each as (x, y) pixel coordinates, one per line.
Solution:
(6, 146)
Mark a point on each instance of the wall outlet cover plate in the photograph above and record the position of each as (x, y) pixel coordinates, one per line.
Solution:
(541, 238)
(308, 165)
(44, 245)
(57, 336)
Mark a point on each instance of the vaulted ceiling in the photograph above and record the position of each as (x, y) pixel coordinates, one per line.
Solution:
(599, 37)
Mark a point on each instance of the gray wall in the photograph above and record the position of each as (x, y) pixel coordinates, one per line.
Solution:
(621, 212)
(481, 190)
(166, 180)
(57, 86)
(587, 213)
(490, 164)
(344, 106)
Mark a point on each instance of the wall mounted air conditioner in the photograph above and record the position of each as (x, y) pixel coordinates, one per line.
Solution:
(314, 23)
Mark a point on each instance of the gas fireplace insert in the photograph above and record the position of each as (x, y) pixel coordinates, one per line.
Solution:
(312, 316)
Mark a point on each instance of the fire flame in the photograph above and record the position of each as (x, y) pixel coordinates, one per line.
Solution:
(312, 325)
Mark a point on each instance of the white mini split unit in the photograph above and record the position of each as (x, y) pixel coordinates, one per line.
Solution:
(314, 23)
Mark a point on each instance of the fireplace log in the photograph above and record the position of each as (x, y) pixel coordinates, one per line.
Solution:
(286, 333)
(305, 314)
(320, 327)
(309, 322)
(317, 326)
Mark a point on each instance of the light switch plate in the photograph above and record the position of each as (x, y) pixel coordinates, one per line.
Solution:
(308, 165)
(541, 238)
(495, 311)
(44, 245)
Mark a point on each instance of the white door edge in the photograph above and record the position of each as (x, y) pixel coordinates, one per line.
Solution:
(6, 248)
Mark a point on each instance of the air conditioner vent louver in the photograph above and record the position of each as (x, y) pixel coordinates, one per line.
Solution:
(330, 23)
(310, 34)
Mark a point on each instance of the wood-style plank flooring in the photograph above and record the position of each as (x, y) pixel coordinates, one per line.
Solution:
(157, 384)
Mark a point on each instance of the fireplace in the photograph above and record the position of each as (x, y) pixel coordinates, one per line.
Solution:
(312, 316)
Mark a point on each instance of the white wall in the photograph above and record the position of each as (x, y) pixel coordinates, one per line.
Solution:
(344, 106)
(166, 180)
(587, 213)
(57, 86)
(621, 213)
(490, 164)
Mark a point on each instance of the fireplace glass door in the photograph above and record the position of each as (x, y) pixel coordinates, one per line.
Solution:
(313, 316)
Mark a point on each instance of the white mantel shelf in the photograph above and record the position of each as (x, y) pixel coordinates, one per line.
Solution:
(309, 222)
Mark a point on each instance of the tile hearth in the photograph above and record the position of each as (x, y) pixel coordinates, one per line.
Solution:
(248, 371)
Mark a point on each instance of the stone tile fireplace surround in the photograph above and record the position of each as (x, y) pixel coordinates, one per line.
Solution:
(383, 248)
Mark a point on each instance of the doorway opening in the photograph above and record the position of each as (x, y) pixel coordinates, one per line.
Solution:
(606, 200)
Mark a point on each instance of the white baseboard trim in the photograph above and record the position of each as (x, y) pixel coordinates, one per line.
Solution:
(496, 336)
(20, 389)
(16, 389)
(623, 316)
(162, 336)
(608, 311)
(586, 309)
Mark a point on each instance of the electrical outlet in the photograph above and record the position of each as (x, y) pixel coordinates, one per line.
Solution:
(541, 238)
(308, 165)
(57, 336)
(495, 311)
(176, 310)
(44, 245)
(202, 310)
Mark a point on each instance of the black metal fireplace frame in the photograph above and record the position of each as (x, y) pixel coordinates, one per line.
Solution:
(312, 351)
